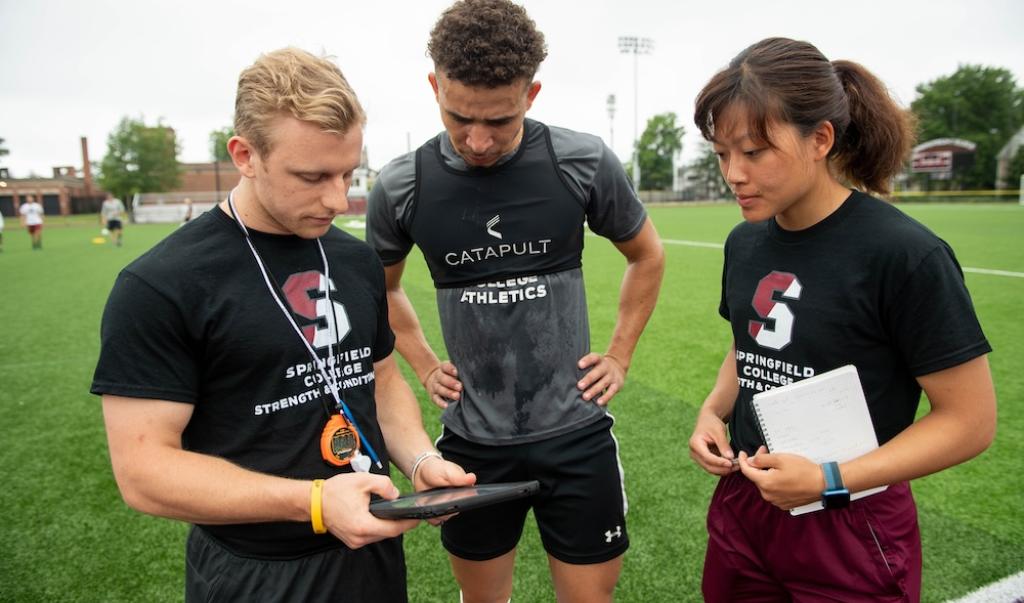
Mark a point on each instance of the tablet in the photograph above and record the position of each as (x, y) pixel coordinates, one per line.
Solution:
(445, 501)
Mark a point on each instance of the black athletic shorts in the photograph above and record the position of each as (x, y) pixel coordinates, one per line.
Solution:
(375, 573)
(580, 508)
(114, 224)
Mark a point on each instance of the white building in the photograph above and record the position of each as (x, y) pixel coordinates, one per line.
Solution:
(1005, 156)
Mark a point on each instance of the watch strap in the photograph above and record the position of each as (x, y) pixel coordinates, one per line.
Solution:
(833, 479)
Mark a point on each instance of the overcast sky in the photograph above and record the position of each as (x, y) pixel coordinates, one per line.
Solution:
(74, 68)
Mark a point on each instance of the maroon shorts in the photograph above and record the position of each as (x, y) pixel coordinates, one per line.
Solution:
(870, 551)
(34, 228)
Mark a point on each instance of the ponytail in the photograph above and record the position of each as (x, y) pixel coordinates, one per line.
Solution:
(879, 135)
(792, 82)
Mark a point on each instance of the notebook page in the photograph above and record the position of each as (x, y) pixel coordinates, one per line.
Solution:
(824, 418)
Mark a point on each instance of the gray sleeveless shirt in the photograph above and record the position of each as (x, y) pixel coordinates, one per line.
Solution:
(504, 247)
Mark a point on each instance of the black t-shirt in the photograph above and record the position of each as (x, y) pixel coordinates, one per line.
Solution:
(867, 286)
(192, 321)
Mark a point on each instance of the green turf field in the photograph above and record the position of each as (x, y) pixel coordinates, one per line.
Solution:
(67, 536)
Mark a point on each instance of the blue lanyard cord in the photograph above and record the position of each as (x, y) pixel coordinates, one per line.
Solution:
(335, 388)
(317, 361)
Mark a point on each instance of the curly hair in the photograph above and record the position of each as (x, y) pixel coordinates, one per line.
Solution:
(488, 43)
(293, 82)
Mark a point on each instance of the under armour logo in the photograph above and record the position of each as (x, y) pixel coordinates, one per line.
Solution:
(491, 224)
(610, 534)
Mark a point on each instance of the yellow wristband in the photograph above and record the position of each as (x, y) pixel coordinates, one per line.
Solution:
(316, 507)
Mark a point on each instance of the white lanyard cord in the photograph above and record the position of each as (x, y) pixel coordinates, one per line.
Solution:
(332, 383)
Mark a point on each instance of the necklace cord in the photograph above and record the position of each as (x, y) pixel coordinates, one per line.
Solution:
(332, 383)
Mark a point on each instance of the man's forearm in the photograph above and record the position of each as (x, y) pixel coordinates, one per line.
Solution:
(203, 489)
(638, 293)
(410, 341)
(398, 414)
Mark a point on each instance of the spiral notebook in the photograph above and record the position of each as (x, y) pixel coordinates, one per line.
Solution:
(824, 418)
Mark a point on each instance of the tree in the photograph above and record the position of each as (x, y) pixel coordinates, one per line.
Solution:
(219, 143)
(140, 159)
(706, 175)
(976, 103)
(658, 145)
(3, 149)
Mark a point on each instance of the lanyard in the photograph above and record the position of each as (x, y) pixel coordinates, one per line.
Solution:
(331, 381)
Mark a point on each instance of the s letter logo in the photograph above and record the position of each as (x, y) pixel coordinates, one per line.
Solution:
(776, 332)
(308, 294)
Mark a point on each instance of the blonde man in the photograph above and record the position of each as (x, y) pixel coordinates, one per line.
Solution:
(255, 394)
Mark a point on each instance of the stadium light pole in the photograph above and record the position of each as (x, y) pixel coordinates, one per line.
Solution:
(635, 46)
(611, 121)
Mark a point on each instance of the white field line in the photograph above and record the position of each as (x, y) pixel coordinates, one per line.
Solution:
(1008, 590)
(27, 364)
(719, 246)
(692, 243)
(994, 272)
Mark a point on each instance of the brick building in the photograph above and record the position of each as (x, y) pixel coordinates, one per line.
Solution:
(216, 177)
(69, 191)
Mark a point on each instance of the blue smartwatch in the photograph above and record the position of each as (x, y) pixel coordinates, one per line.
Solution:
(835, 496)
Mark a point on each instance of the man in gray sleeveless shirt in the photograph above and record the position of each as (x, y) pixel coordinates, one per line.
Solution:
(497, 203)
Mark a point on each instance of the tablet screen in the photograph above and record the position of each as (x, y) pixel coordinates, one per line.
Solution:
(445, 501)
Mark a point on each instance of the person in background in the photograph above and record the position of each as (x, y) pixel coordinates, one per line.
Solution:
(112, 217)
(32, 219)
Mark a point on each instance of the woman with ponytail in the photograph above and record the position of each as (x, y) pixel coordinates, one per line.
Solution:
(819, 275)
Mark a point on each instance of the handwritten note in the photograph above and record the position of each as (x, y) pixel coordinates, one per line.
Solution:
(824, 418)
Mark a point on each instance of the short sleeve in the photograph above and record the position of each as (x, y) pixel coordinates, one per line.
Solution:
(384, 230)
(932, 319)
(613, 209)
(723, 303)
(384, 342)
(145, 349)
